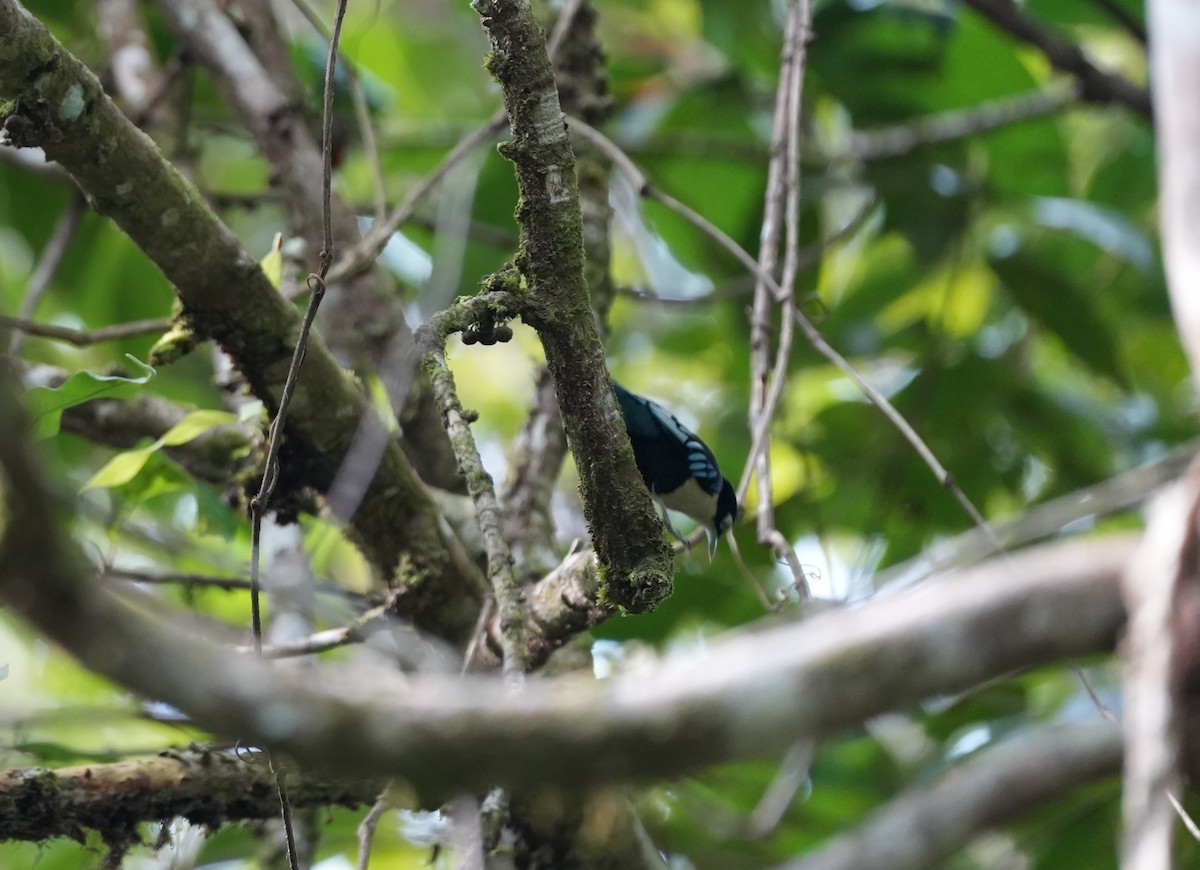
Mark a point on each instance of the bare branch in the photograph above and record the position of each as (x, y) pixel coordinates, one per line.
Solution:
(1079, 509)
(782, 213)
(86, 337)
(506, 586)
(43, 272)
(902, 139)
(1096, 85)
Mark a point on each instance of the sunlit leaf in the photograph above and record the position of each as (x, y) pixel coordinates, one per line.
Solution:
(46, 404)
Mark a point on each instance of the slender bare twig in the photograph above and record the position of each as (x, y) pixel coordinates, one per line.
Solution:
(782, 210)
(43, 272)
(1078, 510)
(1096, 85)
(366, 828)
(189, 581)
(356, 631)
(642, 183)
(902, 139)
(86, 337)
(362, 110)
(258, 504)
(289, 836)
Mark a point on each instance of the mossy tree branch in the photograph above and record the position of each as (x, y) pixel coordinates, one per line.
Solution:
(506, 586)
(204, 786)
(48, 98)
(445, 735)
(636, 563)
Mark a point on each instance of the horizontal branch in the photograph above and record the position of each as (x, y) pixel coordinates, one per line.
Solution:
(205, 787)
(86, 337)
(446, 735)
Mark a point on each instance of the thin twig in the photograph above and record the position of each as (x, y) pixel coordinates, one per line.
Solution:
(355, 631)
(902, 139)
(316, 283)
(285, 805)
(43, 272)
(188, 580)
(622, 162)
(783, 207)
(86, 337)
(362, 111)
(366, 828)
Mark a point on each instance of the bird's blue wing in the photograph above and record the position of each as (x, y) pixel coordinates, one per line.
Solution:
(701, 463)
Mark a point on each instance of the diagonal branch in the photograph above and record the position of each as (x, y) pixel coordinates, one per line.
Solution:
(54, 101)
(924, 827)
(636, 563)
(1096, 85)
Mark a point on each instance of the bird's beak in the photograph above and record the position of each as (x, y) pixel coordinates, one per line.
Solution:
(713, 538)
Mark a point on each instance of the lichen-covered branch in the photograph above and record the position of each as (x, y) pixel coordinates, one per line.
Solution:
(205, 787)
(635, 561)
(506, 585)
(49, 99)
(447, 735)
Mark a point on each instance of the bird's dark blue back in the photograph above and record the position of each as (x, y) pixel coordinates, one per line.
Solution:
(666, 451)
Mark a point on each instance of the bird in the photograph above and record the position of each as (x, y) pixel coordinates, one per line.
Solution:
(679, 470)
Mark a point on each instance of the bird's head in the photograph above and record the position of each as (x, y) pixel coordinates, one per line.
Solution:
(722, 521)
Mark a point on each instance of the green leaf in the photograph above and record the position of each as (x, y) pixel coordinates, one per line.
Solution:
(272, 263)
(123, 467)
(194, 425)
(46, 404)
